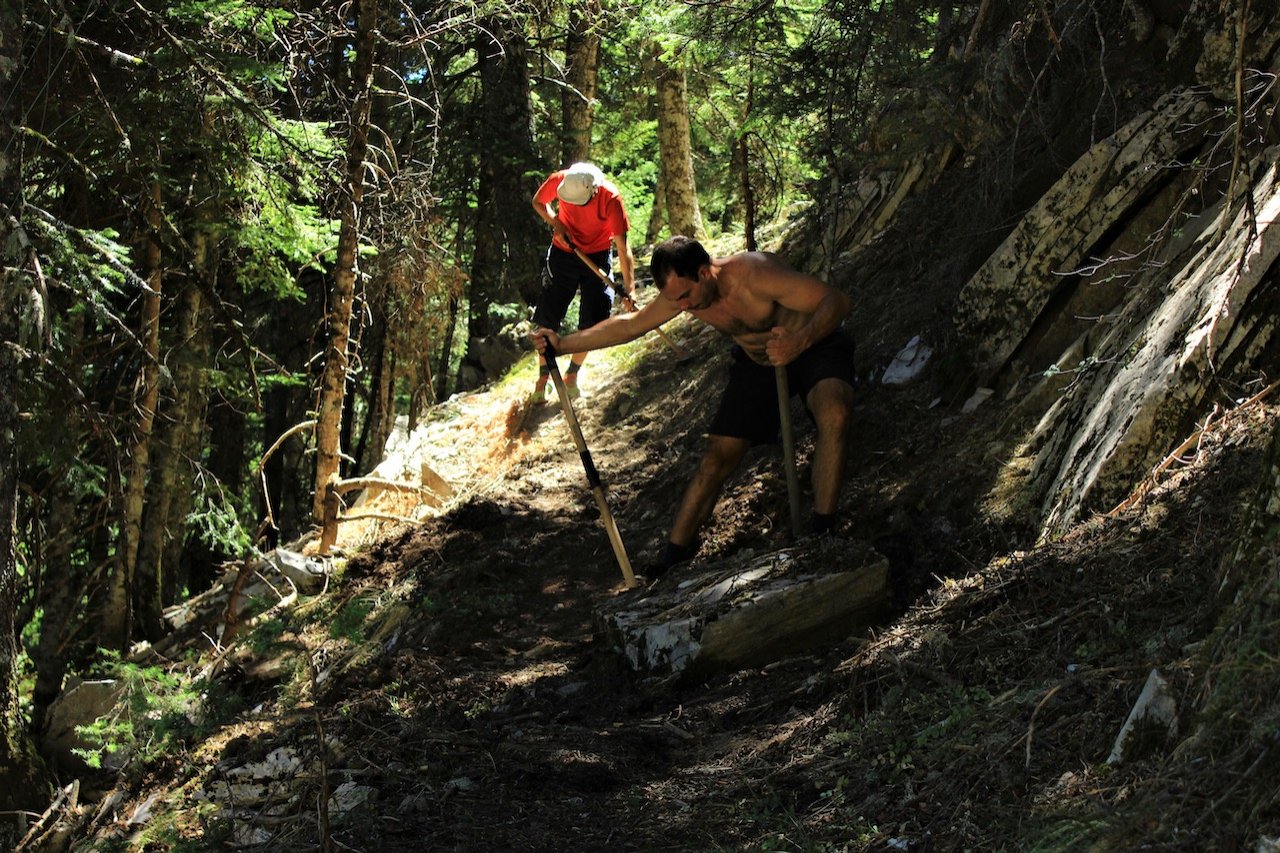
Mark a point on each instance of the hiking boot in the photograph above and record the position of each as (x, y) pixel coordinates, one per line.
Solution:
(823, 524)
(672, 555)
(573, 391)
(539, 396)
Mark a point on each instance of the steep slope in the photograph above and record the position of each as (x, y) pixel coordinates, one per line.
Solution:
(1107, 510)
(448, 691)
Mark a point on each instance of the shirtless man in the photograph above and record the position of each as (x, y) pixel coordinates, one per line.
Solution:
(777, 316)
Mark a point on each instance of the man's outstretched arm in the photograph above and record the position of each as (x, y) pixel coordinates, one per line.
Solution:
(610, 332)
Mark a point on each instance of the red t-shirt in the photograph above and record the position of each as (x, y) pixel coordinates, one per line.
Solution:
(591, 226)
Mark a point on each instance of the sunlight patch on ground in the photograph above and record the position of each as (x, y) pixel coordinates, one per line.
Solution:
(529, 674)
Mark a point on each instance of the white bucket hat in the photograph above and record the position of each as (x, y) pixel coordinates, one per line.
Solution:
(579, 184)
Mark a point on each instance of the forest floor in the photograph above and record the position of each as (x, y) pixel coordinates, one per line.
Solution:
(478, 707)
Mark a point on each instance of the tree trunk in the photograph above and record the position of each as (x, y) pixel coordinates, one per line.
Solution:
(704, 628)
(577, 99)
(333, 382)
(224, 436)
(169, 498)
(505, 264)
(375, 361)
(744, 163)
(748, 193)
(62, 585)
(381, 415)
(446, 350)
(286, 405)
(380, 404)
(657, 215)
(118, 616)
(19, 788)
(423, 390)
(675, 152)
(190, 419)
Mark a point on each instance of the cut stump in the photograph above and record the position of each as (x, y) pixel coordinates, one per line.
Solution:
(752, 610)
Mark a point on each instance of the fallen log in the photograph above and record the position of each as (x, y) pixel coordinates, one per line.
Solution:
(752, 610)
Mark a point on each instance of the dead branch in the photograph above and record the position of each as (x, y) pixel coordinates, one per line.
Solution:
(262, 463)
(380, 516)
(68, 796)
(344, 486)
(979, 22)
(1031, 726)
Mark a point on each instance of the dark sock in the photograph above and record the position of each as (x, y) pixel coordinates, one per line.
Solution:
(822, 522)
(574, 367)
(672, 555)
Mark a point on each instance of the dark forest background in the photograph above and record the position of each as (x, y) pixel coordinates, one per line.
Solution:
(241, 239)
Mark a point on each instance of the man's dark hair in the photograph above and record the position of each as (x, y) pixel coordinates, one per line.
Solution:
(682, 255)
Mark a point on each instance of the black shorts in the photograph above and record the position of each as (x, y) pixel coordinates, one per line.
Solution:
(749, 406)
(563, 275)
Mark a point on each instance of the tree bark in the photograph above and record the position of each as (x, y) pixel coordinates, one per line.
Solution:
(658, 213)
(62, 586)
(286, 405)
(446, 350)
(505, 264)
(675, 151)
(169, 498)
(334, 380)
(380, 411)
(744, 164)
(118, 613)
(382, 415)
(224, 436)
(577, 99)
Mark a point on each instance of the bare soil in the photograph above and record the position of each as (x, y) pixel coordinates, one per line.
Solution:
(477, 700)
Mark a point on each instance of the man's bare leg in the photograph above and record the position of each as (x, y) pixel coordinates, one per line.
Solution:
(831, 402)
(575, 362)
(721, 458)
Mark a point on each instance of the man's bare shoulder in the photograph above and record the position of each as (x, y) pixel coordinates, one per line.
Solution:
(750, 259)
(746, 265)
(760, 267)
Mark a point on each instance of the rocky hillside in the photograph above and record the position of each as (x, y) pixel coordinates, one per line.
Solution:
(1064, 451)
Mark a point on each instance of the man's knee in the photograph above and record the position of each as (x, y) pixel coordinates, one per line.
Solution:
(831, 402)
(723, 452)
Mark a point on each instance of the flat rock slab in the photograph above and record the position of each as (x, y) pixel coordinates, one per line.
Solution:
(751, 610)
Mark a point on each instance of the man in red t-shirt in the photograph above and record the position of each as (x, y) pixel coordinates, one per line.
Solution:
(589, 215)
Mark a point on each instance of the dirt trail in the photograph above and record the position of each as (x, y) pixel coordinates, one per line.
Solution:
(510, 726)
(471, 696)
(518, 728)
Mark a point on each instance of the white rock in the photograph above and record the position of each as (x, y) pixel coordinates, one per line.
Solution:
(80, 704)
(908, 364)
(979, 397)
(307, 573)
(280, 763)
(1155, 706)
(348, 797)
